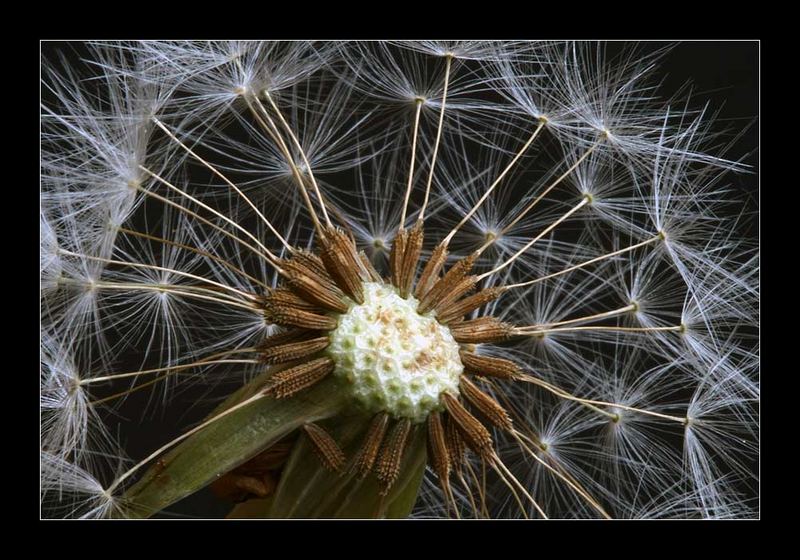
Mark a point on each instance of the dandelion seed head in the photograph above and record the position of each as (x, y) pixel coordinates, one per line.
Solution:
(393, 358)
(514, 262)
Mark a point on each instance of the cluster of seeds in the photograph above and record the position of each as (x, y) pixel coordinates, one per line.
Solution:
(403, 349)
(392, 357)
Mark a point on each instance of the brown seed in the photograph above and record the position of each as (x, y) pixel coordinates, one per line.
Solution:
(294, 350)
(396, 256)
(482, 329)
(489, 407)
(489, 366)
(457, 309)
(430, 273)
(285, 337)
(293, 380)
(287, 298)
(348, 246)
(316, 292)
(299, 268)
(476, 436)
(342, 263)
(374, 275)
(388, 468)
(371, 445)
(330, 454)
(312, 263)
(411, 254)
(464, 287)
(437, 446)
(291, 317)
(447, 283)
(456, 448)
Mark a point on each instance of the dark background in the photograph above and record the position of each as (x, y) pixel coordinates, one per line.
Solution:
(724, 74)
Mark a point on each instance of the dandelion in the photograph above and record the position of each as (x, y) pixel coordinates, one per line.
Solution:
(463, 279)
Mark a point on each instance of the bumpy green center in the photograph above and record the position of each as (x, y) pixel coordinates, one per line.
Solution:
(393, 358)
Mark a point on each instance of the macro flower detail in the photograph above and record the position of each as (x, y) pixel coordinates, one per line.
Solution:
(463, 279)
(395, 359)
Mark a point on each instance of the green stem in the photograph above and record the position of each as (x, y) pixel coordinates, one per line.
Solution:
(229, 442)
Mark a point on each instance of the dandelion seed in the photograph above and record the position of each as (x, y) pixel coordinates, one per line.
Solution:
(467, 279)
